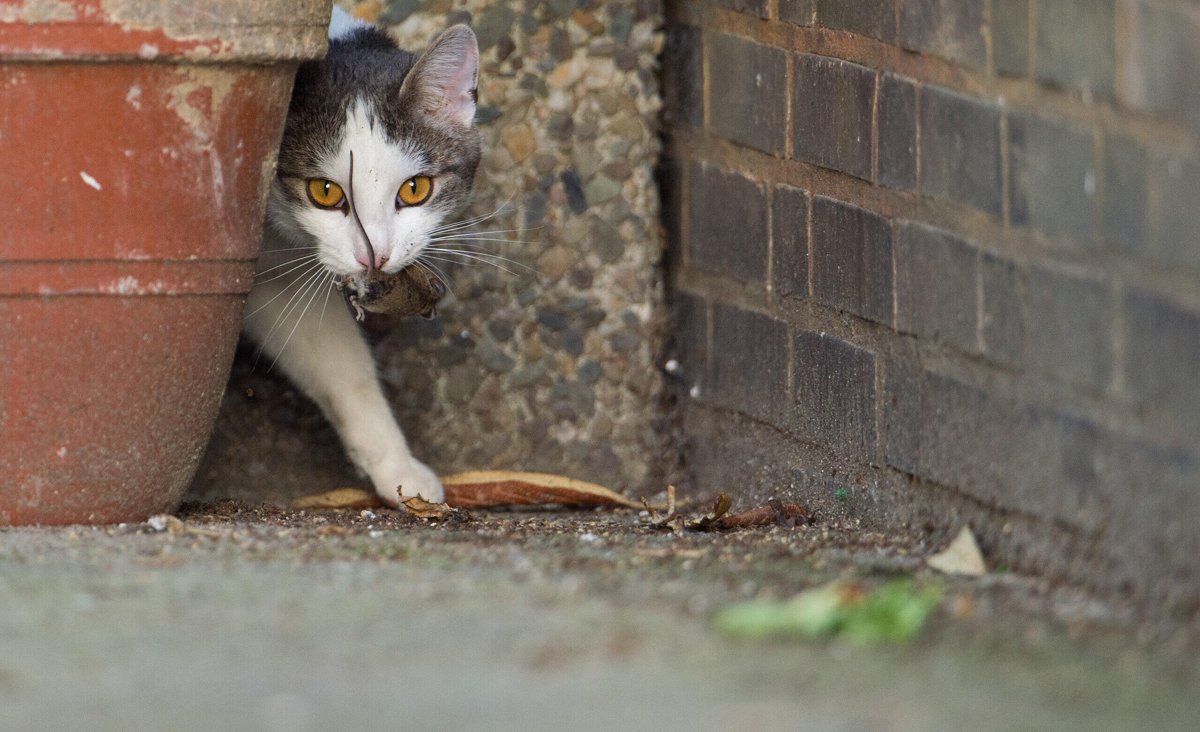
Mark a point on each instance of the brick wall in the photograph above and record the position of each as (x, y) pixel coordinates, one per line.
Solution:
(938, 261)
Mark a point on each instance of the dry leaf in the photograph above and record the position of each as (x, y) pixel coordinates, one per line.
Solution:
(421, 508)
(720, 507)
(961, 557)
(339, 498)
(669, 520)
(492, 488)
(774, 513)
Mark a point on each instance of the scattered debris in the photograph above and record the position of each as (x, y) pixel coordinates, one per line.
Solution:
(165, 522)
(961, 557)
(775, 513)
(892, 613)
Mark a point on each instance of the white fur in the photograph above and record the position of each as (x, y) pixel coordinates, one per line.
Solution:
(380, 166)
(304, 325)
(342, 23)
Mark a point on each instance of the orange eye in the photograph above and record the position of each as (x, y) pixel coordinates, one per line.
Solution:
(414, 191)
(325, 193)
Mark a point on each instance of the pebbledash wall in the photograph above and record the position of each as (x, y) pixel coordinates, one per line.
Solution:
(937, 262)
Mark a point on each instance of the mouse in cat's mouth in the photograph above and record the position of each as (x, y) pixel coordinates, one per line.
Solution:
(414, 290)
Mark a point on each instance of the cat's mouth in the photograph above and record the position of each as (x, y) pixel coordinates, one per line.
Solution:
(414, 290)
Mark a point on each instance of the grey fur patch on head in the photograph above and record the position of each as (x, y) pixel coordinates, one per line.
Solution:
(366, 65)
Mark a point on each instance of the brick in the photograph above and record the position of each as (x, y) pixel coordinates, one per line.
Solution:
(1001, 323)
(748, 83)
(754, 7)
(1124, 193)
(1010, 37)
(1070, 327)
(690, 345)
(683, 77)
(951, 29)
(831, 109)
(834, 386)
(1174, 212)
(1162, 351)
(1163, 63)
(897, 165)
(789, 233)
(748, 363)
(960, 149)
(874, 18)
(936, 285)
(1053, 177)
(727, 224)
(958, 434)
(852, 260)
(1075, 47)
(800, 12)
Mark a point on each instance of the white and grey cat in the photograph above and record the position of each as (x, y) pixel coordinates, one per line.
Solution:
(378, 154)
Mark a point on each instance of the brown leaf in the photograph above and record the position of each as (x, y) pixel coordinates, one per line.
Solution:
(774, 513)
(421, 508)
(339, 498)
(720, 507)
(493, 488)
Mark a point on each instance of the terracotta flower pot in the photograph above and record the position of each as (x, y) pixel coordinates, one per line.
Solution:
(137, 141)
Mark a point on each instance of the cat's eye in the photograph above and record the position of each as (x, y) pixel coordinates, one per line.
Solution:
(414, 191)
(325, 193)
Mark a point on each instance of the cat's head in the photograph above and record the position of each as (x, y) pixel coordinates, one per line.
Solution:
(378, 150)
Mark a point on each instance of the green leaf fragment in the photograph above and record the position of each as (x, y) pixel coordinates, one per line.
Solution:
(892, 613)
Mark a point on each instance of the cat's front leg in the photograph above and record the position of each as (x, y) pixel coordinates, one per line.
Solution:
(323, 352)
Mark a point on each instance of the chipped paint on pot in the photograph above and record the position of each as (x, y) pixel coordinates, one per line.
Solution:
(130, 228)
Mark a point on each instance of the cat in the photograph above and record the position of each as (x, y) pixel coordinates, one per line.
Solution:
(378, 154)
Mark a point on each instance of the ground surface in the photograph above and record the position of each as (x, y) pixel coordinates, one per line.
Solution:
(257, 618)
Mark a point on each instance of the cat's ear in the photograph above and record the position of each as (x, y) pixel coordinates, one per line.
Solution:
(442, 83)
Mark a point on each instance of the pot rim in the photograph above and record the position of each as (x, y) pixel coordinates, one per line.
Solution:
(165, 31)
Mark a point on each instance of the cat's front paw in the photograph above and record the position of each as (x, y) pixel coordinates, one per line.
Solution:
(415, 479)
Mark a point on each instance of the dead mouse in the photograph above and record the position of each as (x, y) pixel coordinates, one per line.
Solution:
(414, 290)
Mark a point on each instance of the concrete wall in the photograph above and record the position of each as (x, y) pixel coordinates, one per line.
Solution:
(938, 261)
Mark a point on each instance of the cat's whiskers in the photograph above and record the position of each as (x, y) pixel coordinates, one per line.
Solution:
(464, 223)
(301, 285)
(477, 254)
(298, 262)
(322, 280)
(469, 260)
(441, 275)
(311, 266)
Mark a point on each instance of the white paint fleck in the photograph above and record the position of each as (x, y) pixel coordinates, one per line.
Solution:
(61, 452)
(134, 97)
(148, 51)
(127, 285)
(671, 366)
(694, 392)
(87, 178)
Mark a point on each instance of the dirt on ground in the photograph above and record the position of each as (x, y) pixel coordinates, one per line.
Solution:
(244, 616)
